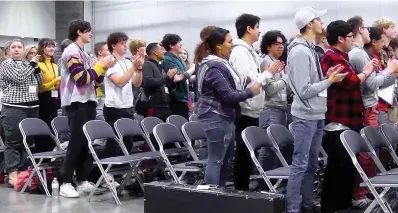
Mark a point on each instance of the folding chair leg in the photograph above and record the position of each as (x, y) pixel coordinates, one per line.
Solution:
(129, 174)
(108, 182)
(138, 178)
(95, 188)
(41, 178)
(27, 182)
(378, 198)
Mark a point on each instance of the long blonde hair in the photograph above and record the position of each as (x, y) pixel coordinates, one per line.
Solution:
(187, 62)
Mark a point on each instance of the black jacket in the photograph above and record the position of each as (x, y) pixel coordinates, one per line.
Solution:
(155, 82)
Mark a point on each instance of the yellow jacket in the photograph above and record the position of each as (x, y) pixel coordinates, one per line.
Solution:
(50, 74)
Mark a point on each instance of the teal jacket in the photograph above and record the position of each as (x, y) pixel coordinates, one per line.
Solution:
(180, 92)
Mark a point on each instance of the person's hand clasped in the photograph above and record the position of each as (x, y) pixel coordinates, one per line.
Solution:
(335, 75)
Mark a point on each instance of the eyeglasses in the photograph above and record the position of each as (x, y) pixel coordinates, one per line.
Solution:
(32, 53)
(278, 43)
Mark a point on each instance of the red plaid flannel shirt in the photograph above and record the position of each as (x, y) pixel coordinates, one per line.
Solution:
(344, 103)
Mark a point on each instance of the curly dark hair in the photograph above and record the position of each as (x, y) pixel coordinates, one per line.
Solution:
(170, 39)
(115, 38)
(270, 38)
(78, 25)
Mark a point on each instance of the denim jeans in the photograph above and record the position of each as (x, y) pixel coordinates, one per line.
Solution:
(220, 133)
(307, 143)
(267, 157)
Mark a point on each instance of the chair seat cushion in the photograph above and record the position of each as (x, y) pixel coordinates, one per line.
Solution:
(131, 158)
(184, 167)
(47, 155)
(176, 151)
(279, 172)
(387, 179)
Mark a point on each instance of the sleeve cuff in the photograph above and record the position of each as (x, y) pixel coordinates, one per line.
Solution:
(99, 69)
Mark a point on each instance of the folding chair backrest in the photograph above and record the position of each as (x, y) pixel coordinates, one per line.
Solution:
(280, 135)
(168, 134)
(128, 127)
(354, 141)
(374, 137)
(138, 118)
(194, 131)
(176, 120)
(97, 129)
(60, 125)
(390, 133)
(256, 138)
(34, 127)
(149, 123)
(193, 117)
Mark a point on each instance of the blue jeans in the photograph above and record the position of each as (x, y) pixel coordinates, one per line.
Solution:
(220, 133)
(267, 157)
(307, 144)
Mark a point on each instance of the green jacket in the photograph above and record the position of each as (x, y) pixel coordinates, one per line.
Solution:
(180, 91)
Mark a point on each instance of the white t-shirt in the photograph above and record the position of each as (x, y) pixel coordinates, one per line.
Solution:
(115, 96)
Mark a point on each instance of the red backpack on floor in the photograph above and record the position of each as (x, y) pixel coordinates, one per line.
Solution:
(34, 185)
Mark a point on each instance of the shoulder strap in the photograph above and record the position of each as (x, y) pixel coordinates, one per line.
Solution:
(253, 55)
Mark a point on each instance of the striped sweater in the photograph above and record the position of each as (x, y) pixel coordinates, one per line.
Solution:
(79, 76)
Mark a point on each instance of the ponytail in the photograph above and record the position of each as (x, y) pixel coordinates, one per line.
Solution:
(202, 51)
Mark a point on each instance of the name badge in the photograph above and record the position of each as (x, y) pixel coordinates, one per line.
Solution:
(166, 90)
(54, 93)
(32, 89)
(284, 97)
(324, 93)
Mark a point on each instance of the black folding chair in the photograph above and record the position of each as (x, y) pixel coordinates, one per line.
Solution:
(60, 126)
(168, 134)
(255, 138)
(193, 132)
(193, 117)
(138, 118)
(355, 144)
(148, 125)
(176, 120)
(390, 134)
(128, 127)
(97, 129)
(30, 127)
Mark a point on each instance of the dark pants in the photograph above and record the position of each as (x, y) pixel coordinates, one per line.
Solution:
(47, 112)
(179, 108)
(159, 112)
(111, 115)
(243, 162)
(15, 154)
(339, 176)
(77, 156)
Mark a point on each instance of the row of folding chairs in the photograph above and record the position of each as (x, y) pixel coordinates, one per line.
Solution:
(369, 140)
(165, 133)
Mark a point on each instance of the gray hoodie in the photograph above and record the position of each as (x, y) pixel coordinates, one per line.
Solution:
(358, 59)
(276, 88)
(306, 81)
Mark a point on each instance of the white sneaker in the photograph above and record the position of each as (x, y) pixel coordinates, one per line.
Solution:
(112, 180)
(67, 190)
(85, 187)
(362, 203)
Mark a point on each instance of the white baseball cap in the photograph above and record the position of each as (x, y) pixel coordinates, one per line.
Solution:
(305, 15)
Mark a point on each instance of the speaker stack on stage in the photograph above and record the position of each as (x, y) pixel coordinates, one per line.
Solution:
(163, 197)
